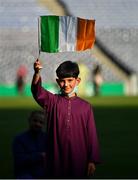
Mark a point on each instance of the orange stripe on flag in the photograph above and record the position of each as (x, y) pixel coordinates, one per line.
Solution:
(85, 34)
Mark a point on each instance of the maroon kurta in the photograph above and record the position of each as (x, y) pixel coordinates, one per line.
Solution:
(72, 137)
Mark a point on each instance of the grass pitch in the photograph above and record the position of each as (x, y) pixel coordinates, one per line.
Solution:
(116, 119)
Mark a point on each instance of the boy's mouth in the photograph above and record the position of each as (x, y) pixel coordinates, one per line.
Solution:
(66, 90)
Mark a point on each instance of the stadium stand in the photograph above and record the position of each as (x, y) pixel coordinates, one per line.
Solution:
(116, 31)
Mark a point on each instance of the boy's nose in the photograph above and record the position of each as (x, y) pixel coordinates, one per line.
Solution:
(66, 84)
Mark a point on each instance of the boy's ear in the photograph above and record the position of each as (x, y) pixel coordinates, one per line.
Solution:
(78, 80)
(57, 80)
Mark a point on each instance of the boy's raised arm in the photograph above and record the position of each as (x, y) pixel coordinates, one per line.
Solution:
(37, 67)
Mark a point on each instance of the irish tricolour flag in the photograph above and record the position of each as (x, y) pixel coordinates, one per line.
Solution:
(65, 33)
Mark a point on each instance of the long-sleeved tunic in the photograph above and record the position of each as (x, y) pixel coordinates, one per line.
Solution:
(72, 137)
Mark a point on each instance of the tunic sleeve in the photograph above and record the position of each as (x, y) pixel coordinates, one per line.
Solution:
(42, 96)
(93, 144)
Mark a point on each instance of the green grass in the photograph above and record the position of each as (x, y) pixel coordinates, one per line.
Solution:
(117, 123)
(17, 102)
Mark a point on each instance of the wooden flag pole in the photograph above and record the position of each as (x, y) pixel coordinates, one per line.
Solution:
(39, 47)
(39, 51)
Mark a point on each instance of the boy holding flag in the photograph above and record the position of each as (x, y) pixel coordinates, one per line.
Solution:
(73, 148)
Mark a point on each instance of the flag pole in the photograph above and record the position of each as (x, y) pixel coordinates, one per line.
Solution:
(39, 51)
(39, 46)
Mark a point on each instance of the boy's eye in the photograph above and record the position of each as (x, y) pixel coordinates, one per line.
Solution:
(70, 80)
(37, 120)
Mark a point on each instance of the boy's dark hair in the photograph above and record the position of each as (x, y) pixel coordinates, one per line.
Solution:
(37, 115)
(67, 69)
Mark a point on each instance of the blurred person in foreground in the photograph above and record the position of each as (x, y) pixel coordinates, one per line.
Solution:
(73, 148)
(29, 149)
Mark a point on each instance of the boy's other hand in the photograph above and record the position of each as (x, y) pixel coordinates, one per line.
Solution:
(91, 169)
(37, 66)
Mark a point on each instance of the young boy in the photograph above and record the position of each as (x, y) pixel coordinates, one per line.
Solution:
(29, 149)
(72, 141)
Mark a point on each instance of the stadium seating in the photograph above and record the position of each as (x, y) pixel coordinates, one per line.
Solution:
(115, 28)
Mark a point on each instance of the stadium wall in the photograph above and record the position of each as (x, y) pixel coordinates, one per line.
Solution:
(106, 89)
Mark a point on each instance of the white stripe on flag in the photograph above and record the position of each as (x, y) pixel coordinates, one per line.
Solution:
(67, 33)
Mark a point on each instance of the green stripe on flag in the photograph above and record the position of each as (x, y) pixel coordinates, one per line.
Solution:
(49, 33)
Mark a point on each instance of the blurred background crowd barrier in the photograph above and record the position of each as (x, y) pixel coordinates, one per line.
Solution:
(115, 49)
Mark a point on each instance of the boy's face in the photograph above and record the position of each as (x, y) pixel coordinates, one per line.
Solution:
(68, 84)
(36, 124)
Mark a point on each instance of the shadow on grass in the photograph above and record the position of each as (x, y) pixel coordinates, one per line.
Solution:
(12, 122)
(117, 130)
